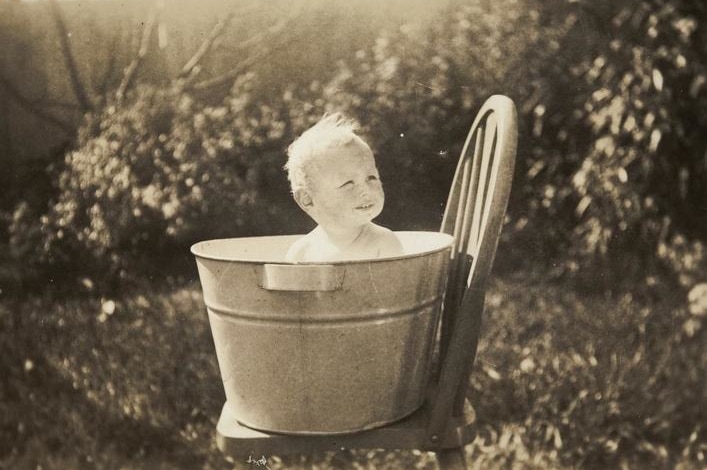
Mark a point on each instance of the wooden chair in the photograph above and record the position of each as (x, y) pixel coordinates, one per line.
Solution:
(474, 216)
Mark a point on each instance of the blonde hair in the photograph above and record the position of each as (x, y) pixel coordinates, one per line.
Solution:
(331, 131)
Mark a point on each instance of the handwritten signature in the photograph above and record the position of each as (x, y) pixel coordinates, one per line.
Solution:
(261, 462)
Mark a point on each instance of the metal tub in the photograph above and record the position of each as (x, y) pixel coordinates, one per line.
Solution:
(322, 348)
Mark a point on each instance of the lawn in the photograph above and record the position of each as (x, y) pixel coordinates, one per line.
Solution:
(566, 378)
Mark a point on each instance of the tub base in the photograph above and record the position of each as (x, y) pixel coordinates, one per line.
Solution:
(238, 441)
(232, 415)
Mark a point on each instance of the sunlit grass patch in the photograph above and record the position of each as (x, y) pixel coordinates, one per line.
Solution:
(139, 381)
(590, 381)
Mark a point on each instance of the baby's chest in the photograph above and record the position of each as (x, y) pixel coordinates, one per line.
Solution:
(324, 251)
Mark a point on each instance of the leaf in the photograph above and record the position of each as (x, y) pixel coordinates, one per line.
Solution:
(108, 307)
(557, 441)
(697, 84)
(583, 205)
(491, 372)
(623, 176)
(657, 80)
(656, 135)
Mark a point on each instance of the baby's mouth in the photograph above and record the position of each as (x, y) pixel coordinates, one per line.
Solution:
(365, 207)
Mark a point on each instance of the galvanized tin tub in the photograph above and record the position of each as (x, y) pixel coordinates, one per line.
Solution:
(322, 348)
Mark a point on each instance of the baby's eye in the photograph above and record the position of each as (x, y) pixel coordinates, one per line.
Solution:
(372, 178)
(347, 184)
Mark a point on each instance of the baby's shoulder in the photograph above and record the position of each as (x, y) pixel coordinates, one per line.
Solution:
(387, 241)
(381, 232)
(299, 249)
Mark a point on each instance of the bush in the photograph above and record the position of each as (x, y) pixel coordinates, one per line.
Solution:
(167, 168)
(606, 175)
(158, 173)
(631, 134)
(417, 90)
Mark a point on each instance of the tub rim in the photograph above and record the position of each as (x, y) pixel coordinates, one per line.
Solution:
(448, 245)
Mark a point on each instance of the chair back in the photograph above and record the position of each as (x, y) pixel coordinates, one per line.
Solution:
(477, 201)
(474, 215)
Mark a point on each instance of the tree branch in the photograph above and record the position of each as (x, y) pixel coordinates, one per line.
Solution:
(32, 107)
(131, 70)
(230, 75)
(233, 73)
(218, 29)
(76, 83)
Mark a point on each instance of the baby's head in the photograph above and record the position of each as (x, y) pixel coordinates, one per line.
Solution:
(333, 175)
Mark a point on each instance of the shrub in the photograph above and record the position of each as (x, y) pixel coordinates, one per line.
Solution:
(162, 171)
(631, 133)
(607, 173)
(417, 89)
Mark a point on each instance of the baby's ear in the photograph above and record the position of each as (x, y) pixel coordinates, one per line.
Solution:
(303, 199)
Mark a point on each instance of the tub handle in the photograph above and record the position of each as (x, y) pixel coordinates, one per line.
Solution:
(307, 278)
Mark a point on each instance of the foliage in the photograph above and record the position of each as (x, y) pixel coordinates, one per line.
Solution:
(610, 167)
(416, 91)
(166, 168)
(632, 132)
(573, 378)
(161, 172)
(108, 383)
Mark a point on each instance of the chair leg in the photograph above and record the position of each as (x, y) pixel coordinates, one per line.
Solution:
(451, 459)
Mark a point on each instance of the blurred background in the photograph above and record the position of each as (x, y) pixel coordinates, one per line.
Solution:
(131, 129)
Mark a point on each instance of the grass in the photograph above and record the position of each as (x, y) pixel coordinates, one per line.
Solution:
(564, 380)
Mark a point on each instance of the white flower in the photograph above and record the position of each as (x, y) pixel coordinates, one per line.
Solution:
(697, 300)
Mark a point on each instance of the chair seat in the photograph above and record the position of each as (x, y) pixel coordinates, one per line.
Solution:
(237, 440)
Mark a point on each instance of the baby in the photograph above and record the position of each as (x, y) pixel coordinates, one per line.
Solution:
(335, 181)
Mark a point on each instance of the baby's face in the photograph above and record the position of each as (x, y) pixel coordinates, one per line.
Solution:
(346, 190)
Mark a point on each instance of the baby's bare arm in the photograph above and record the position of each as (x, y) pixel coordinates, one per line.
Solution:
(295, 253)
(387, 242)
(391, 246)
